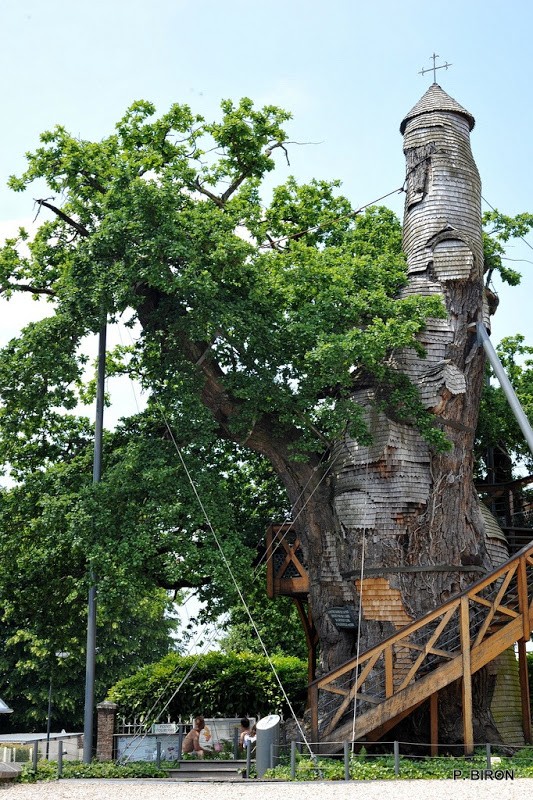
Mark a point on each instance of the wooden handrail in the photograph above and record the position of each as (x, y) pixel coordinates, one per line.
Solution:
(473, 643)
(479, 585)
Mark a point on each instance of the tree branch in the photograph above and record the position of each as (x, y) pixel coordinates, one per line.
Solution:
(20, 287)
(78, 227)
(92, 182)
(217, 200)
(233, 187)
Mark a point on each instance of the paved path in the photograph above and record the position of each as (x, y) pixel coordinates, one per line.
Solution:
(520, 789)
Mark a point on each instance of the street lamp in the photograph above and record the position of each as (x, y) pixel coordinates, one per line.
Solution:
(59, 655)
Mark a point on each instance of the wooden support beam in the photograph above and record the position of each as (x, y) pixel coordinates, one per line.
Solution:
(524, 690)
(434, 723)
(523, 602)
(468, 728)
(311, 636)
(389, 667)
(313, 703)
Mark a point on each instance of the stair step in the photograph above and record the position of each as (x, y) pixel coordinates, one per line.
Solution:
(208, 770)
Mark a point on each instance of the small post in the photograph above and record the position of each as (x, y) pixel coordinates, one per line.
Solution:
(271, 755)
(59, 758)
(396, 758)
(180, 739)
(468, 730)
(487, 748)
(293, 760)
(35, 755)
(248, 758)
(49, 719)
(313, 701)
(346, 761)
(158, 754)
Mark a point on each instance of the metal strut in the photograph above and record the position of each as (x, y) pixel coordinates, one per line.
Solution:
(508, 390)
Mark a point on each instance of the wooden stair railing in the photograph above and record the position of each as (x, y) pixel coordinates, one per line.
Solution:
(390, 680)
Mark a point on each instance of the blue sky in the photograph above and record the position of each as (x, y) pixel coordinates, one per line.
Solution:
(347, 70)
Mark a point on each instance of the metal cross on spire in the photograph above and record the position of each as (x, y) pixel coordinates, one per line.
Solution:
(434, 67)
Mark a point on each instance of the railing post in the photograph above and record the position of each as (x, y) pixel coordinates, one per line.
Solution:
(468, 727)
(313, 699)
(389, 670)
(487, 749)
(248, 758)
(434, 723)
(396, 758)
(158, 754)
(523, 601)
(346, 761)
(293, 760)
(524, 690)
(59, 758)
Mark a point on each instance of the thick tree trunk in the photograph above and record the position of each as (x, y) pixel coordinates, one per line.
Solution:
(397, 502)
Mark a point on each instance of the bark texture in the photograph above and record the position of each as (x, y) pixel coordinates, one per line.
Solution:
(397, 502)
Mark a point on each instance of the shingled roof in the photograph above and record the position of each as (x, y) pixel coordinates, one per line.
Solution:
(436, 99)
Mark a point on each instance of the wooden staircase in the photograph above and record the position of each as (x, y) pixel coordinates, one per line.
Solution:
(391, 680)
(206, 770)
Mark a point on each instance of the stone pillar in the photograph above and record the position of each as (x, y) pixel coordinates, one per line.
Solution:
(107, 713)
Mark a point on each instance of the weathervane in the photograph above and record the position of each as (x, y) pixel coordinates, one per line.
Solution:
(434, 67)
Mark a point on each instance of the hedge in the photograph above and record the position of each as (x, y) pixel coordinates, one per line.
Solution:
(219, 684)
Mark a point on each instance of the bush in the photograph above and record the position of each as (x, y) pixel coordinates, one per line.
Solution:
(382, 767)
(215, 684)
(47, 770)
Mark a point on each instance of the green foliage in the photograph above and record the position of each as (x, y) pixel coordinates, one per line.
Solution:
(145, 538)
(497, 427)
(258, 321)
(382, 767)
(214, 684)
(500, 228)
(277, 622)
(47, 770)
(149, 227)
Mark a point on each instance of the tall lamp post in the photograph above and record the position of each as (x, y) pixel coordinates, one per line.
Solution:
(91, 614)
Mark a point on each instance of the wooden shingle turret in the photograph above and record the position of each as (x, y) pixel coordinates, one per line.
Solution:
(436, 99)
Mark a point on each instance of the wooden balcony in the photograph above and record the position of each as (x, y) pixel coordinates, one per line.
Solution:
(286, 568)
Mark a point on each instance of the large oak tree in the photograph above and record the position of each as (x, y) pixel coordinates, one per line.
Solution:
(260, 316)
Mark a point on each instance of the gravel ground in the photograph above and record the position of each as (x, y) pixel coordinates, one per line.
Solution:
(519, 789)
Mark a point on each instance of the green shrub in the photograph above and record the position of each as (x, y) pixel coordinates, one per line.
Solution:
(47, 770)
(220, 684)
(382, 767)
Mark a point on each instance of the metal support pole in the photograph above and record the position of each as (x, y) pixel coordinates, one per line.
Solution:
(91, 613)
(396, 758)
(271, 755)
(158, 754)
(49, 719)
(508, 390)
(59, 758)
(487, 749)
(346, 761)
